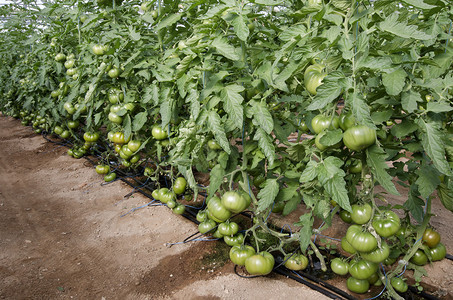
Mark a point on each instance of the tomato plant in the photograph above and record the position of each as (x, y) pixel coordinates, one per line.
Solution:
(358, 286)
(158, 133)
(296, 262)
(239, 253)
(234, 201)
(322, 122)
(179, 185)
(339, 266)
(360, 240)
(361, 213)
(359, 137)
(399, 284)
(386, 223)
(431, 237)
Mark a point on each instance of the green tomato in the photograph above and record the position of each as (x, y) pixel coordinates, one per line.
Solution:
(359, 137)
(102, 169)
(158, 133)
(438, 252)
(296, 262)
(419, 258)
(346, 216)
(202, 216)
(216, 209)
(114, 118)
(313, 77)
(110, 177)
(347, 121)
(431, 237)
(179, 185)
(361, 240)
(234, 202)
(399, 284)
(60, 57)
(237, 239)
(179, 209)
(240, 253)
(260, 264)
(58, 130)
(362, 269)
(65, 134)
(213, 145)
(346, 246)
(321, 122)
(114, 72)
(361, 213)
(228, 228)
(355, 166)
(206, 226)
(339, 266)
(134, 145)
(378, 255)
(386, 224)
(99, 49)
(359, 286)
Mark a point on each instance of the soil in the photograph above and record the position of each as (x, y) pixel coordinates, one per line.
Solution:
(64, 234)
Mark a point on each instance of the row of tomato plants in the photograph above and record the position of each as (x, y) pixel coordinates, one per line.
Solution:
(283, 103)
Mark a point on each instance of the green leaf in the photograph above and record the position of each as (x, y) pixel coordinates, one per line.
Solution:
(391, 24)
(361, 110)
(415, 205)
(438, 107)
(233, 103)
(310, 172)
(292, 32)
(224, 48)
(166, 109)
(377, 163)
(433, 144)
(215, 179)
(331, 137)
(305, 233)
(127, 126)
(217, 129)
(381, 116)
(291, 204)
(427, 181)
(326, 93)
(394, 81)
(409, 100)
(266, 144)
(240, 28)
(262, 116)
(135, 36)
(405, 128)
(446, 195)
(268, 2)
(139, 120)
(419, 4)
(267, 194)
(168, 21)
(287, 193)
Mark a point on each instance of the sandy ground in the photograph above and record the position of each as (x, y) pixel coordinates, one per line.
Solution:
(62, 236)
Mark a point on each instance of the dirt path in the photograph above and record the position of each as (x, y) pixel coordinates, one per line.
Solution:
(62, 236)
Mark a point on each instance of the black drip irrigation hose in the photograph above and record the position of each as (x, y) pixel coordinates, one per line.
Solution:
(302, 277)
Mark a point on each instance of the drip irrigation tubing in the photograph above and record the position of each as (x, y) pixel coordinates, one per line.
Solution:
(190, 213)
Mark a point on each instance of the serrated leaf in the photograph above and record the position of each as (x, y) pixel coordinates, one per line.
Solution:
(434, 146)
(292, 32)
(405, 128)
(166, 109)
(325, 94)
(127, 127)
(419, 3)
(376, 161)
(168, 21)
(233, 103)
(226, 49)
(216, 128)
(305, 233)
(415, 205)
(135, 36)
(267, 194)
(240, 28)
(266, 144)
(438, 107)
(268, 2)
(381, 116)
(391, 24)
(310, 172)
(139, 121)
(409, 101)
(394, 81)
(287, 193)
(361, 110)
(262, 116)
(291, 204)
(331, 137)
(215, 179)
(446, 195)
(336, 188)
(428, 180)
